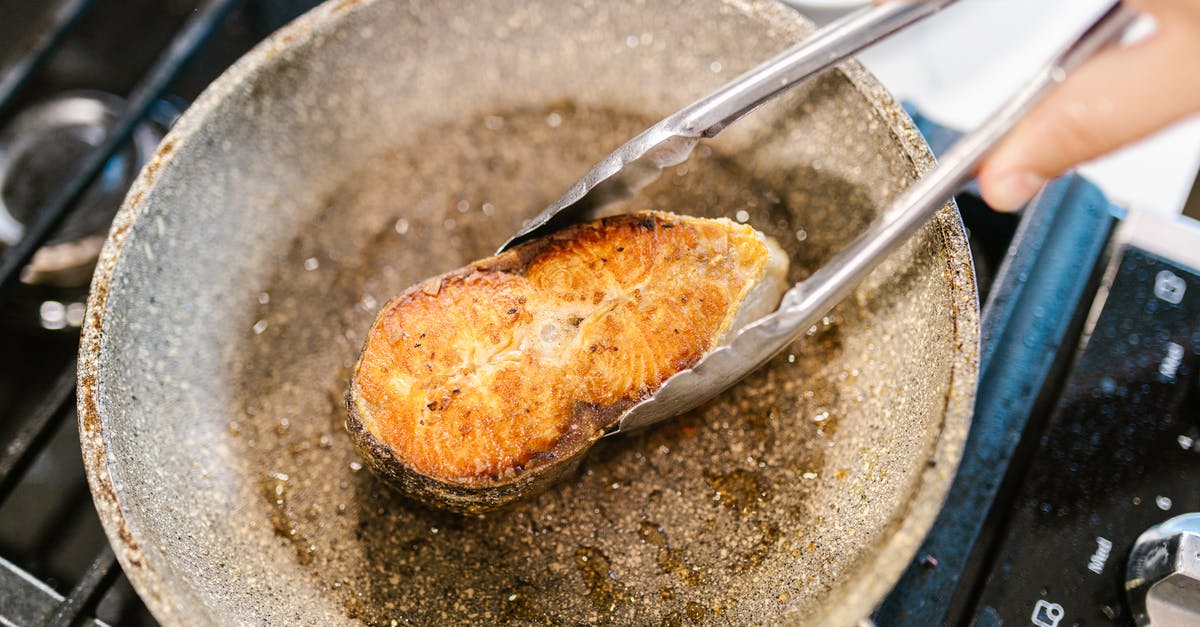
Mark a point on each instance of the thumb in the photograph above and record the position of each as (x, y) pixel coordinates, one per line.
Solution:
(1117, 97)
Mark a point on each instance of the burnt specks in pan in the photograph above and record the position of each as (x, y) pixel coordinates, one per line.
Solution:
(92, 439)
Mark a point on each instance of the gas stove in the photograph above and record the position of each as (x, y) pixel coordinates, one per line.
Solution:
(1074, 500)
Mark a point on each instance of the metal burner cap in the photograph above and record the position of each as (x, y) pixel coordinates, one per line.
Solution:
(40, 150)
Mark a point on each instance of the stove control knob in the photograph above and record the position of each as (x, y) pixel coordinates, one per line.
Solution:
(1162, 578)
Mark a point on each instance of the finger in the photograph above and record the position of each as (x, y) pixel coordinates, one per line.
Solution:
(1121, 95)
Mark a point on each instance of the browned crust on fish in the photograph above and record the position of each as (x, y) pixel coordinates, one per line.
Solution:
(489, 382)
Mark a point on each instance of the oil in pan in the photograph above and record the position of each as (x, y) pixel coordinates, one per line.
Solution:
(705, 516)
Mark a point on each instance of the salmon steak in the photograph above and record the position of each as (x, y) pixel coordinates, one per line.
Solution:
(489, 383)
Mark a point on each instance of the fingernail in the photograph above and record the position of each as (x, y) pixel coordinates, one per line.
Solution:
(1014, 190)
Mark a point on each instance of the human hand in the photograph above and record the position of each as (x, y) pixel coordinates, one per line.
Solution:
(1115, 98)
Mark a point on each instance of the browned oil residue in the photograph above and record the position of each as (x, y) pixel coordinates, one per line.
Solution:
(283, 519)
(415, 212)
(652, 534)
(827, 423)
(604, 591)
(695, 611)
(672, 619)
(520, 608)
(670, 561)
(751, 559)
(741, 490)
(763, 423)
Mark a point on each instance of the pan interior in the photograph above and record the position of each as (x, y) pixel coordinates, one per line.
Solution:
(372, 149)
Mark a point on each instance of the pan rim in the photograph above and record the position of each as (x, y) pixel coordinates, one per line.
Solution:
(144, 567)
(150, 573)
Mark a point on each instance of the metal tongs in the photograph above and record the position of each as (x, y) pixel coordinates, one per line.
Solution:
(670, 142)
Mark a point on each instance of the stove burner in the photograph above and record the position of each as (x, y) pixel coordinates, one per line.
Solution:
(40, 149)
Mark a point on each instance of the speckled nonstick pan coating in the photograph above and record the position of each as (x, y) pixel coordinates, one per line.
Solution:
(371, 144)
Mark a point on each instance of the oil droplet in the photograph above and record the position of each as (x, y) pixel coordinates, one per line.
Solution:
(259, 327)
(670, 561)
(554, 120)
(356, 466)
(604, 591)
(742, 216)
(311, 264)
(402, 226)
(263, 298)
(753, 558)
(274, 488)
(741, 490)
(651, 533)
(518, 606)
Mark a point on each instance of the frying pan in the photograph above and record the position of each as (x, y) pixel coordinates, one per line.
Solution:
(374, 143)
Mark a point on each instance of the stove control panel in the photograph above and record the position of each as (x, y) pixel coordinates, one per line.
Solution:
(1109, 496)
